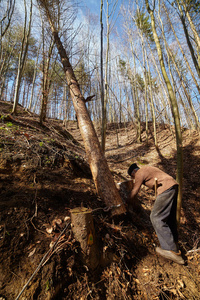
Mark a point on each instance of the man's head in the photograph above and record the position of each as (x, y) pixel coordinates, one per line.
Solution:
(132, 169)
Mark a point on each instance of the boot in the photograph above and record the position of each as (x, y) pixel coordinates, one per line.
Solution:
(176, 257)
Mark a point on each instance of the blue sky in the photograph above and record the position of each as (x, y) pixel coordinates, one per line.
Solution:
(94, 5)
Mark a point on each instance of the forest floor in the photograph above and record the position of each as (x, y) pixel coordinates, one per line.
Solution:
(44, 173)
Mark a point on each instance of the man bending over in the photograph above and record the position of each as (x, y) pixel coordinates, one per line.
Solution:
(163, 214)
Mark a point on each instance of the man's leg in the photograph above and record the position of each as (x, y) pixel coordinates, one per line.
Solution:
(163, 218)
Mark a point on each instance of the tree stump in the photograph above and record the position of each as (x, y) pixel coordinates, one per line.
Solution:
(84, 233)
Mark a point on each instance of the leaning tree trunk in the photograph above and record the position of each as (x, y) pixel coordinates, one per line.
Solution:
(182, 51)
(102, 176)
(170, 54)
(182, 17)
(194, 30)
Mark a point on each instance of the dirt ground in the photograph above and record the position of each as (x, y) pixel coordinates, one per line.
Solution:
(44, 173)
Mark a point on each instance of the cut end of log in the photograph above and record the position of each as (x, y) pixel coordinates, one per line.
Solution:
(81, 210)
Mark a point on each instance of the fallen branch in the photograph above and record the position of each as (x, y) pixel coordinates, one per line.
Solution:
(191, 251)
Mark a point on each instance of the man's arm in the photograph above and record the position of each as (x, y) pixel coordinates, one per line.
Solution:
(134, 192)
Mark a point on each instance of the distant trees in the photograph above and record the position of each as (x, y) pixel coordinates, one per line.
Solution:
(133, 84)
(134, 90)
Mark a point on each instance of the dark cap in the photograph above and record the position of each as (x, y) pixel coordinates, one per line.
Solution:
(131, 168)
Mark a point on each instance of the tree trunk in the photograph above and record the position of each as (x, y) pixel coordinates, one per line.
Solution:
(46, 80)
(182, 17)
(104, 108)
(194, 30)
(22, 58)
(102, 176)
(136, 103)
(34, 79)
(182, 51)
(175, 112)
(103, 130)
(152, 106)
(6, 19)
(170, 55)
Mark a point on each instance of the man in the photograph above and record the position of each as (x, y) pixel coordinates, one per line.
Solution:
(163, 214)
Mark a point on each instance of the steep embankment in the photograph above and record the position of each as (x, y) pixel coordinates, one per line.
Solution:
(44, 174)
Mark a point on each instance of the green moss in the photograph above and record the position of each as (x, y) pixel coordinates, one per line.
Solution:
(9, 124)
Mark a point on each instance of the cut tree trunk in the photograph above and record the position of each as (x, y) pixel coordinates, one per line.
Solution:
(84, 233)
(102, 176)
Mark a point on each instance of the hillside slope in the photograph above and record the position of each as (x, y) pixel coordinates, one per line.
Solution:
(44, 173)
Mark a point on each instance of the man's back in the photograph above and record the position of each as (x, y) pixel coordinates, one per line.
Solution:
(147, 174)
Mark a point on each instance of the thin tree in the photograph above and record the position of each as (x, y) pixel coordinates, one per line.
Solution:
(46, 79)
(188, 38)
(34, 79)
(111, 8)
(171, 56)
(6, 17)
(187, 9)
(182, 51)
(101, 74)
(174, 108)
(22, 56)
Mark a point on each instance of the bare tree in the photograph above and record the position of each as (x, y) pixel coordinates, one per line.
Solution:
(34, 78)
(174, 107)
(22, 56)
(110, 11)
(192, 25)
(46, 79)
(101, 74)
(188, 38)
(171, 56)
(6, 17)
(182, 50)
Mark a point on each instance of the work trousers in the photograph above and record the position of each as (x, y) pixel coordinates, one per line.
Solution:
(163, 218)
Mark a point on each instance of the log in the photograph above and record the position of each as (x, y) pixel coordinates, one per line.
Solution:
(84, 233)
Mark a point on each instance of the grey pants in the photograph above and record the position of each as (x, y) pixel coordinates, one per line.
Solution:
(163, 218)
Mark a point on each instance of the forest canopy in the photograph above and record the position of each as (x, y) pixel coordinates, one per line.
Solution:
(31, 71)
